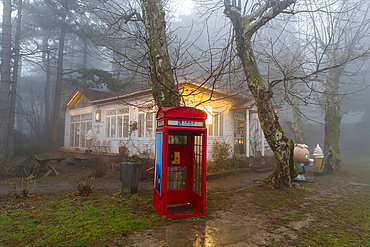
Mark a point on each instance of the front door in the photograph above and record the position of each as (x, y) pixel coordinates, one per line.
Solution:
(239, 137)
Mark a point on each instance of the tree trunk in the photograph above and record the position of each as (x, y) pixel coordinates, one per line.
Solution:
(58, 89)
(19, 110)
(282, 147)
(15, 81)
(5, 78)
(46, 62)
(333, 120)
(165, 91)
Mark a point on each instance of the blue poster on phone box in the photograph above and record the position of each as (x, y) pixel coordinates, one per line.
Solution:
(158, 162)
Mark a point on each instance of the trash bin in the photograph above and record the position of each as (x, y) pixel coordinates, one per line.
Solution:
(130, 172)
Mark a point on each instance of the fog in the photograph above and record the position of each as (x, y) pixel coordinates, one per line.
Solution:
(199, 41)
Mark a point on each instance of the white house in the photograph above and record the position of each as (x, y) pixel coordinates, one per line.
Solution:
(128, 119)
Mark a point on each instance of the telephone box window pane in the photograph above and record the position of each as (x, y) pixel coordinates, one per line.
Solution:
(176, 178)
(197, 165)
(177, 140)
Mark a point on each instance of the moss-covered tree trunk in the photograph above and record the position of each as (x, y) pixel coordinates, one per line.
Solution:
(333, 119)
(165, 91)
(281, 146)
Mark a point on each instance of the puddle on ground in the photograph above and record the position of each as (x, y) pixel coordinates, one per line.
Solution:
(359, 184)
(203, 233)
(225, 229)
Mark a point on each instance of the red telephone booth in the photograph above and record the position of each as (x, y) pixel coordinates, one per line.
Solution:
(180, 162)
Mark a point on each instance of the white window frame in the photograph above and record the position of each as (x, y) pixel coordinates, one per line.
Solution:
(79, 120)
(123, 113)
(112, 116)
(216, 129)
(142, 125)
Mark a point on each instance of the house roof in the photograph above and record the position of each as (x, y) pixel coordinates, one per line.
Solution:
(244, 104)
(97, 97)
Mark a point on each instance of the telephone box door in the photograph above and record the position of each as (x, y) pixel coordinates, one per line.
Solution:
(198, 172)
(179, 167)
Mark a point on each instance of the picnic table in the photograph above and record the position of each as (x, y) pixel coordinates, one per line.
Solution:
(50, 163)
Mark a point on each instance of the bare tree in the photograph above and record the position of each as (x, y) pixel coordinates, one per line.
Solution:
(5, 78)
(58, 87)
(165, 92)
(245, 26)
(341, 35)
(15, 80)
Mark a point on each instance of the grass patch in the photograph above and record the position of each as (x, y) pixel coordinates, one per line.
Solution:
(344, 224)
(72, 221)
(344, 221)
(218, 201)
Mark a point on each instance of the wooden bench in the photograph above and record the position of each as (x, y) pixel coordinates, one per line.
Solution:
(50, 163)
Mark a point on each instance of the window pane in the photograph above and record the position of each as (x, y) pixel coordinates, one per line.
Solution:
(210, 129)
(177, 140)
(122, 111)
(215, 121)
(87, 116)
(198, 165)
(149, 125)
(83, 134)
(110, 112)
(222, 125)
(113, 127)
(107, 126)
(71, 135)
(120, 126)
(75, 118)
(125, 126)
(77, 134)
(140, 125)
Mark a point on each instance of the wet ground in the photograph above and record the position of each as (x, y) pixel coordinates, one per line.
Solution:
(238, 222)
(112, 183)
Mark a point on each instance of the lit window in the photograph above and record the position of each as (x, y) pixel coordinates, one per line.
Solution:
(217, 126)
